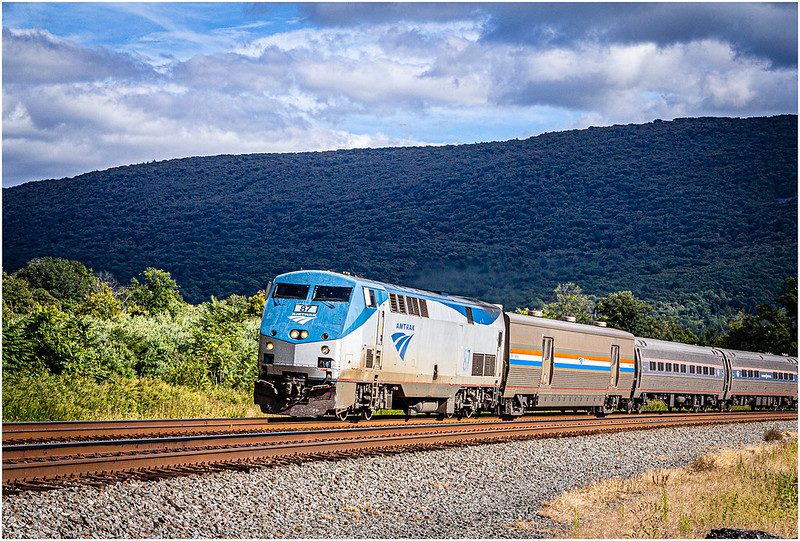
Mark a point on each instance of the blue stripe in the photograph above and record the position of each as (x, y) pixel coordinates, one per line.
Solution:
(583, 367)
(402, 342)
(522, 362)
(404, 348)
(626, 369)
(359, 321)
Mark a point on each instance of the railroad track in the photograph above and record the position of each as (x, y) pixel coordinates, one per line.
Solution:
(40, 432)
(49, 465)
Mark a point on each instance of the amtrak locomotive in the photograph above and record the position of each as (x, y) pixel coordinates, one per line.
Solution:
(337, 344)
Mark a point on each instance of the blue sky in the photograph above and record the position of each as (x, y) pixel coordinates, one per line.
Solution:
(91, 86)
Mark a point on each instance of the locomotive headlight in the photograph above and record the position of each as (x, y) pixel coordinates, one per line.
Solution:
(325, 350)
(270, 345)
(294, 334)
(303, 334)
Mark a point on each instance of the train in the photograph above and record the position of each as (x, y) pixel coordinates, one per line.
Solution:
(334, 344)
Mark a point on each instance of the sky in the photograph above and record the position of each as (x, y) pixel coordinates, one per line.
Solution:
(90, 86)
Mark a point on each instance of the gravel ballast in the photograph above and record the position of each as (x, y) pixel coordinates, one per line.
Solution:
(484, 491)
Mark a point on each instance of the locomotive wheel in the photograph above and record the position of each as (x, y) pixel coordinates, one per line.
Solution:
(342, 415)
(367, 413)
(467, 412)
(638, 407)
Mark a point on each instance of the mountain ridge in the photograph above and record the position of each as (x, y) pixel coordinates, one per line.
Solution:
(695, 211)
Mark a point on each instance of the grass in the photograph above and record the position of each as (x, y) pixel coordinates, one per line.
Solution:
(47, 397)
(753, 488)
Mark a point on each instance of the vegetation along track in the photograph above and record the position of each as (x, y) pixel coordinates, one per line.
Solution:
(48, 465)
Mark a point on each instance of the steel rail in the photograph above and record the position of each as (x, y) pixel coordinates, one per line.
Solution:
(148, 455)
(33, 432)
(37, 451)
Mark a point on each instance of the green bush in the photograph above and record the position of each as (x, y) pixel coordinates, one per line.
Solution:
(50, 397)
(64, 280)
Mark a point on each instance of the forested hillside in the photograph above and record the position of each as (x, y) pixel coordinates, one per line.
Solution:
(700, 213)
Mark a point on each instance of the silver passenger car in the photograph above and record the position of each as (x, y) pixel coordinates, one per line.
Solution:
(761, 380)
(682, 375)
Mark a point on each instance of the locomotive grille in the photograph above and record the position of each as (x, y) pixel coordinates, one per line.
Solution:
(393, 302)
(413, 305)
(488, 367)
(369, 360)
(477, 364)
(423, 308)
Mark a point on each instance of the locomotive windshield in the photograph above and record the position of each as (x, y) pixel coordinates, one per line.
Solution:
(332, 293)
(291, 291)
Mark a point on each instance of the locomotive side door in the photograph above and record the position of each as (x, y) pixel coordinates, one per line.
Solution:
(374, 351)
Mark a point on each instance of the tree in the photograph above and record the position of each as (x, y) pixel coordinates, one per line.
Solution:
(255, 304)
(570, 301)
(157, 293)
(17, 296)
(623, 310)
(65, 280)
(101, 303)
(766, 331)
(788, 299)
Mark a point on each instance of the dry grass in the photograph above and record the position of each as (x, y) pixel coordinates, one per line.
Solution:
(754, 488)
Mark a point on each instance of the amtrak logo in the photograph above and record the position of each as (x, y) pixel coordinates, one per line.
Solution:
(401, 341)
(302, 320)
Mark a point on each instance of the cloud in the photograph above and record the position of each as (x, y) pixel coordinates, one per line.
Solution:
(765, 30)
(439, 74)
(36, 56)
(63, 130)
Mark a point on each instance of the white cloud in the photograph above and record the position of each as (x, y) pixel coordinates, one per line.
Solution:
(68, 109)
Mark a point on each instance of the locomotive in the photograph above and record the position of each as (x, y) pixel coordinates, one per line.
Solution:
(336, 344)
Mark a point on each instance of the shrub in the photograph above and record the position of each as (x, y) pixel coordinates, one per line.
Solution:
(65, 280)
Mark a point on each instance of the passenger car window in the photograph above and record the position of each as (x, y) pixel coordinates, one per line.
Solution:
(332, 293)
(291, 291)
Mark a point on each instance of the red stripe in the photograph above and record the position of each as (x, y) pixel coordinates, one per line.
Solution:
(694, 391)
(416, 382)
(559, 388)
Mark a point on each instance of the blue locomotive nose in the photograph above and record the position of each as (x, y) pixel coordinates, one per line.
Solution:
(305, 315)
(302, 313)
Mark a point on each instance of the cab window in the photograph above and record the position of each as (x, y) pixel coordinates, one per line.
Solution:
(291, 291)
(332, 293)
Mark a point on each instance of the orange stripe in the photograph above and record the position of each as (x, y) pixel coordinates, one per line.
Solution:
(526, 351)
(578, 356)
